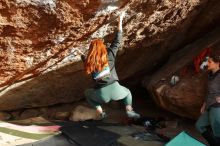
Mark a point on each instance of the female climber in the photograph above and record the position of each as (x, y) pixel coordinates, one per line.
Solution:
(100, 64)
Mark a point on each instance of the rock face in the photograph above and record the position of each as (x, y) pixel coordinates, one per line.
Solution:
(186, 95)
(39, 62)
(184, 99)
(82, 113)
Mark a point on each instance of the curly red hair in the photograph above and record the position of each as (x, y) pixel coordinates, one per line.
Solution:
(96, 59)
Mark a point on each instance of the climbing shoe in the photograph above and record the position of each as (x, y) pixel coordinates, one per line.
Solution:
(102, 116)
(132, 114)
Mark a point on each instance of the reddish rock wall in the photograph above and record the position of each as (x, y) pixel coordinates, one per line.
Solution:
(39, 65)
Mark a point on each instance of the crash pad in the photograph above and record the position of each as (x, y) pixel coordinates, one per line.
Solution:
(56, 140)
(88, 134)
(184, 139)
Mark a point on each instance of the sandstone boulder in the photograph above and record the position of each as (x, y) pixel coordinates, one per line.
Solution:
(82, 113)
(186, 97)
(40, 65)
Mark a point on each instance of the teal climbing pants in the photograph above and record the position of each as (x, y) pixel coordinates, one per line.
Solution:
(114, 91)
(210, 118)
